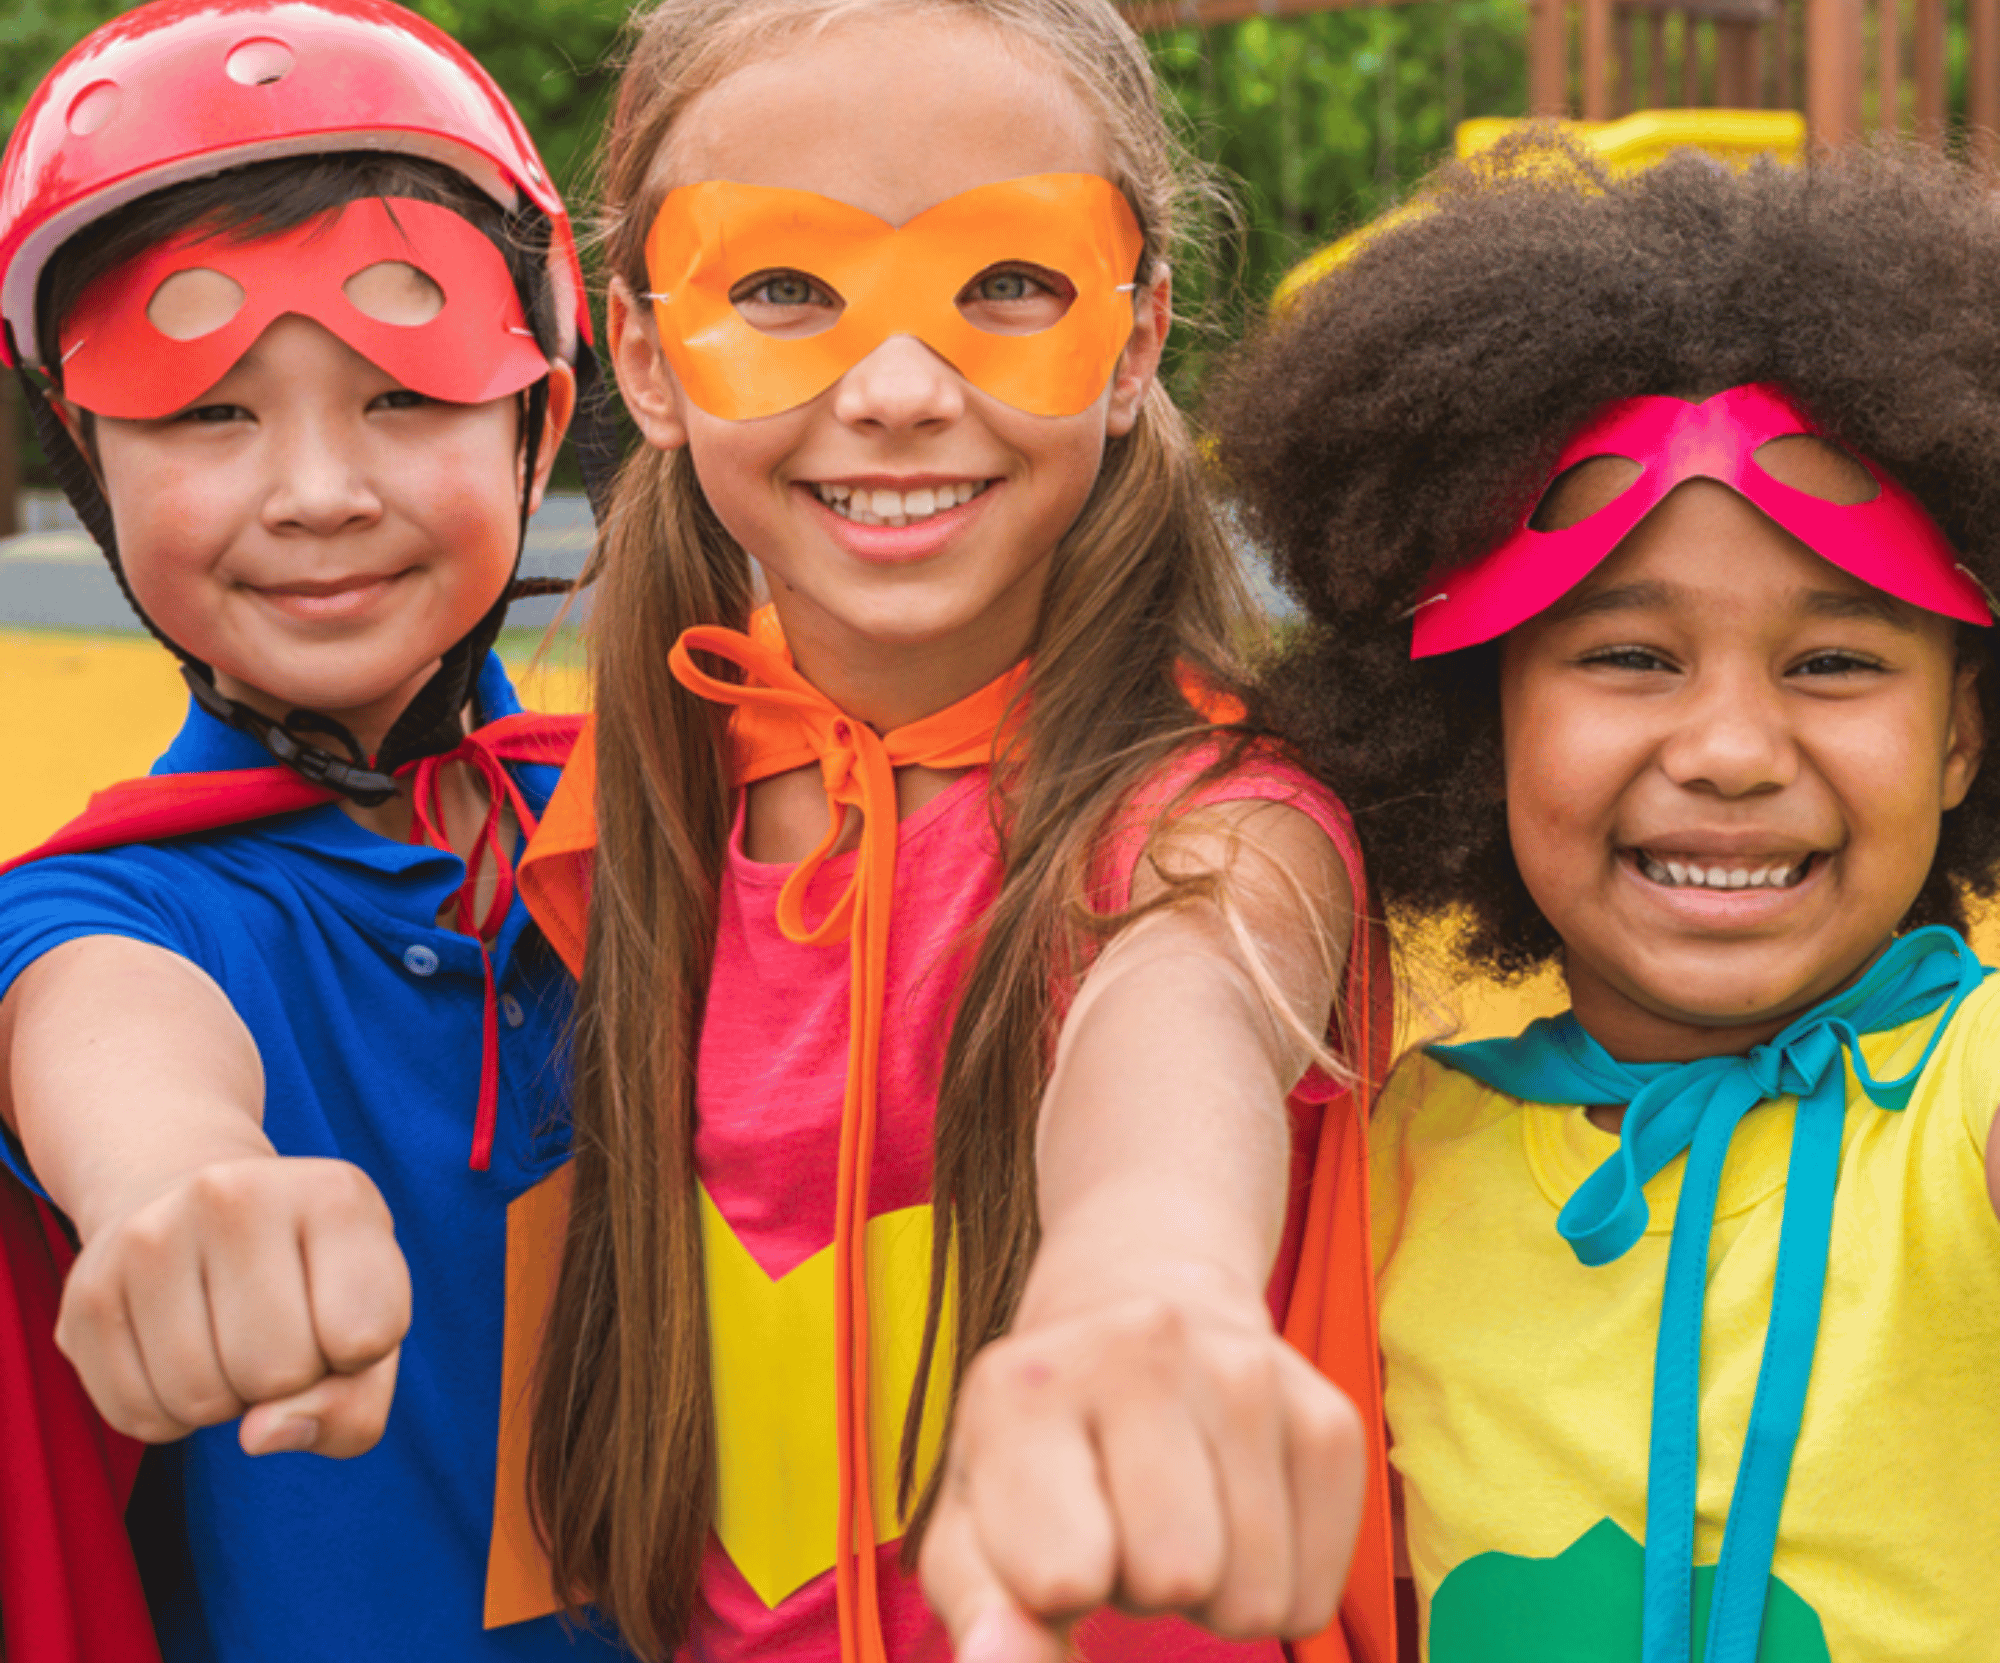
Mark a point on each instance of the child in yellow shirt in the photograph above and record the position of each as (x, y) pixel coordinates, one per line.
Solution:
(1647, 529)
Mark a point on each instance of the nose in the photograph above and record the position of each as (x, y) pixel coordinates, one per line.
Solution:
(320, 479)
(901, 386)
(1732, 737)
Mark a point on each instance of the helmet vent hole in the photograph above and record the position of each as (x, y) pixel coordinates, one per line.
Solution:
(93, 108)
(394, 292)
(194, 302)
(257, 63)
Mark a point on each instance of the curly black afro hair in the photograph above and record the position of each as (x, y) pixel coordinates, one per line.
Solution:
(1405, 414)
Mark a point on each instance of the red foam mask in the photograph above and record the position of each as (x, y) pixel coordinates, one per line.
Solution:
(1888, 542)
(452, 328)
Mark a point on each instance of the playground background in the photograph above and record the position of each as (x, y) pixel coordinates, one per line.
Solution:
(1317, 116)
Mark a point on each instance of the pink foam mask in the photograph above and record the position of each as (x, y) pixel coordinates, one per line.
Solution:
(1888, 542)
(415, 289)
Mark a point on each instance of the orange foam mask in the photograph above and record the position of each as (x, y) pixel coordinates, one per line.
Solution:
(711, 239)
(473, 346)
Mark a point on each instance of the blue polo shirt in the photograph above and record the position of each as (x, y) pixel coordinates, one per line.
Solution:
(368, 1017)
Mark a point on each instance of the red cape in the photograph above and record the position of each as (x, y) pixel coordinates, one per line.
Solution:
(69, 1588)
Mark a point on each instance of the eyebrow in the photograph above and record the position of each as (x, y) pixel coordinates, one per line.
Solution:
(1867, 605)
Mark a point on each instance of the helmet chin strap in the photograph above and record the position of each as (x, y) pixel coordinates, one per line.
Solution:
(433, 722)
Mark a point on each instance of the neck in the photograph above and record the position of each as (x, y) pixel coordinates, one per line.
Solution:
(889, 685)
(1633, 1028)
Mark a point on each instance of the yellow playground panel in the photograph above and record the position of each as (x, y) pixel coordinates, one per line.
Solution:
(84, 711)
(1626, 145)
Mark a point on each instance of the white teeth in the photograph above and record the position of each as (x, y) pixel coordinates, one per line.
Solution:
(873, 507)
(1675, 874)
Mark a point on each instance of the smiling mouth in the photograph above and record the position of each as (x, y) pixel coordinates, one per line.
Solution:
(878, 507)
(1687, 872)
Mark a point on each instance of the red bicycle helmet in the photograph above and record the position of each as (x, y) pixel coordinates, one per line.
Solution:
(184, 88)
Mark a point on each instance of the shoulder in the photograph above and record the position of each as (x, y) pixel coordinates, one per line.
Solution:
(1427, 1114)
(1961, 1083)
(134, 892)
(1215, 796)
(1426, 1102)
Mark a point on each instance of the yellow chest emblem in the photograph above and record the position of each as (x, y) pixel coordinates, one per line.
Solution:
(772, 1358)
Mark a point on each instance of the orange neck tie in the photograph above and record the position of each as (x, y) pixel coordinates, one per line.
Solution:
(780, 722)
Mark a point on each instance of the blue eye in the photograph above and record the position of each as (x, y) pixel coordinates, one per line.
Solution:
(786, 290)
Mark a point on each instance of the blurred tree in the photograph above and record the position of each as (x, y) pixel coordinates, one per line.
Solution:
(1315, 124)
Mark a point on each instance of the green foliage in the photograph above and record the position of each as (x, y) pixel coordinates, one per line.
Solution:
(1318, 123)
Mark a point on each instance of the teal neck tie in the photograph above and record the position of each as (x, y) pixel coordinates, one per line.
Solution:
(1693, 1108)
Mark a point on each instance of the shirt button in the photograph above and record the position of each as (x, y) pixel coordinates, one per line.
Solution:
(420, 960)
(510, 1007)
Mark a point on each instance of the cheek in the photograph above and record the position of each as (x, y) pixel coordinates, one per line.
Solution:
(738, 466)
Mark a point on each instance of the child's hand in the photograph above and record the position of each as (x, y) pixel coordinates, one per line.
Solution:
(261, 1284)
(1160, 1453)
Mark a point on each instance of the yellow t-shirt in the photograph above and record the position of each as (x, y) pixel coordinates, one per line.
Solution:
(1519, 1381)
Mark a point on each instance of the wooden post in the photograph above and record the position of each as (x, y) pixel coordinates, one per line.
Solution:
(1656, 59)
(1785, 97)
(1833, 70)
(1929, 69)
(1690, 61)
(1625, 36)
(1888, 67)
(1596, 98)
(1982, 80)
(1735, 68)
(1548, 58)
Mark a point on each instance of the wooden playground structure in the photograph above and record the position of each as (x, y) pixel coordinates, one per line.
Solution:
(1853, 67)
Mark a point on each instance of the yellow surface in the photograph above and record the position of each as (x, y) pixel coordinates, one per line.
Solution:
(1624, 146)
(82, 712)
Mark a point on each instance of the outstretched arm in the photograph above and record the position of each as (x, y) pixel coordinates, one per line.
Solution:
(214, 1275)
(1143, 1435)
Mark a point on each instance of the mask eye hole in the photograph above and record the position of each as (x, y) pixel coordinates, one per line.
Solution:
(1016, 298)
(1817, 467)
(787, 304)
(194, 303)
(1580, 491)
(394, 292)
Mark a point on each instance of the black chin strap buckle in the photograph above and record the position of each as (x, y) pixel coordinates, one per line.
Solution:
(350, 776)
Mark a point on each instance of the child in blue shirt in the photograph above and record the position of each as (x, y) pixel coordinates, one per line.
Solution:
(280, 1042)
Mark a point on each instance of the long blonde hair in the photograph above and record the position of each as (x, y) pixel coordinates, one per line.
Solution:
(1140, 589)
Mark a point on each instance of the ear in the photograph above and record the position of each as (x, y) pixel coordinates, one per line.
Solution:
(1964, 736)
(645, 379)
(1139, 367)
(562, 406)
